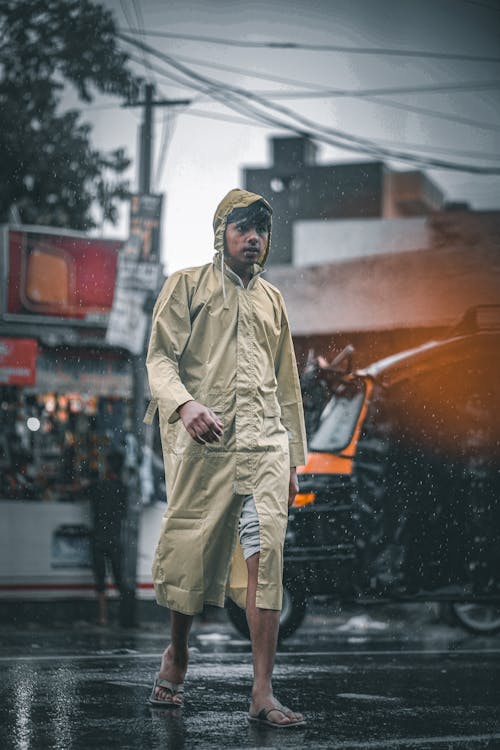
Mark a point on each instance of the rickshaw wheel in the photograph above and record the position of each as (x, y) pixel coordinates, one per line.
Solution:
(292, 613)
(477, 617)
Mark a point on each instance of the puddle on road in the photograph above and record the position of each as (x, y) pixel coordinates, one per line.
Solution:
(367, 697)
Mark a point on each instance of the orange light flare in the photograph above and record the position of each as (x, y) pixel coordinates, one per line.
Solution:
(304, 498)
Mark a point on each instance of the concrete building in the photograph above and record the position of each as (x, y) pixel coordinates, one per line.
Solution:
(368, 256)
(301, 189)
(392, 283)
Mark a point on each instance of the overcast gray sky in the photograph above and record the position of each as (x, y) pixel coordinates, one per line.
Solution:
(202, 157)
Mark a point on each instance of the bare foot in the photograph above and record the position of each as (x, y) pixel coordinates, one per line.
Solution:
(173, 668)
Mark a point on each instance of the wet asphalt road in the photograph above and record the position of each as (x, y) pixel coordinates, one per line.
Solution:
(390, 679)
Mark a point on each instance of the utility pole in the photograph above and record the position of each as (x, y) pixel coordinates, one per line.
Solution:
(128, 614)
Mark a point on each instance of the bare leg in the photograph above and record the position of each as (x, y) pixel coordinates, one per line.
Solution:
(264, 626)
(174, 661)
(103, 610)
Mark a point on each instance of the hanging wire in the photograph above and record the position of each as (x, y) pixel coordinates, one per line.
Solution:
(287, 45)
(378, 99)
(247, 102)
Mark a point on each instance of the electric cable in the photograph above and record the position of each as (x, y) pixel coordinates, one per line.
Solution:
(323, 90)
(244, 102)
(164, 141)
(128, 18)
(433, 113)
(249, 73)
(400, 90)
(374, 150)
(322, 47)
(483, 5)
(364, 94)
(417, 147)
(140, 29)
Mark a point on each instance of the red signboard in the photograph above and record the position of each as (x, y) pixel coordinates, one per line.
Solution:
(18, 361)
(68, 276)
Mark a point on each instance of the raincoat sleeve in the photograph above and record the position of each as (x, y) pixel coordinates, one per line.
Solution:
(170, 332)
(289, 394)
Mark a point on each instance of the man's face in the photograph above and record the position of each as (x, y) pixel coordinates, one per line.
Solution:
(245, 242)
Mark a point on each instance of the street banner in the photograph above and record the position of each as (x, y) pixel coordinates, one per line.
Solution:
(133, 274)
(128, 321)
(143, 244)
(138, 274)
(18, 361)
(139, 263)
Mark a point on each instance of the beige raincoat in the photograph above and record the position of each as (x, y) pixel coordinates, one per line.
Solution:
(230, 348)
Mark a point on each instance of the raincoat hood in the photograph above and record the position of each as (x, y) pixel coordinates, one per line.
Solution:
(236, 198)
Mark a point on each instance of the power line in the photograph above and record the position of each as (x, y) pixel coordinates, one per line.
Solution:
(495, 157)
(226, 94)
(433, 113)
(162, 152)
(250, 73)
(375, 149)
(137, 28)
(224, 118)
(482, 5)
(138, 14)
(247, 121)
(163, 73)
(415, 146)
(358, 93)
(457, 119)
(240, 100)
(383, 51)
(351, 93)
(128, 18)
(315, 89)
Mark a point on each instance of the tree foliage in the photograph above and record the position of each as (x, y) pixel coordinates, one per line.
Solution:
(50, 171)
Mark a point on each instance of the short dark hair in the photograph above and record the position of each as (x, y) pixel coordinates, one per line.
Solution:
(256, 214)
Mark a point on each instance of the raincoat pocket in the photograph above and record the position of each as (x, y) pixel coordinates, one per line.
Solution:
(272, 418)
(272, 407)
(181, 442)
(179, 555)
(216, 400)
(220, 403)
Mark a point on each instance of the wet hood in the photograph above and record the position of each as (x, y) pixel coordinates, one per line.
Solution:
(236, 198)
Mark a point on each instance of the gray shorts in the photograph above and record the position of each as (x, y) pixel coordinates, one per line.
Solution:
(248, 528)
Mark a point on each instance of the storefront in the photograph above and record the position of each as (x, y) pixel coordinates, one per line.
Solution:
(56, 429)
(65, 400)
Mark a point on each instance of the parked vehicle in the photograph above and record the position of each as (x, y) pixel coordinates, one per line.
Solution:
(400, 496)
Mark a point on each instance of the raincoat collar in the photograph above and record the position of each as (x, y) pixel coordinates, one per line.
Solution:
(257, 271)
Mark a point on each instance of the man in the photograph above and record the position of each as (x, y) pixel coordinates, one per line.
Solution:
(108, 506)
(222, 372)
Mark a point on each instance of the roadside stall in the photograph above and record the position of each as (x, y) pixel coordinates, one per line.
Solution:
(65, 400)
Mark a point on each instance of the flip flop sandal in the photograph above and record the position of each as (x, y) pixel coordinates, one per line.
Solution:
(262, 720)
(175, 688)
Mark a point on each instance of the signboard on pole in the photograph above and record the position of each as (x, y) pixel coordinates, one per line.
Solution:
(143, 244)
(138, 274)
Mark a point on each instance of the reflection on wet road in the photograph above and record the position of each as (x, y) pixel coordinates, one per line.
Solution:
(423, 686)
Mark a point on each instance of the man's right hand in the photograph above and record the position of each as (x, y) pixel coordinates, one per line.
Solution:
(201, 423)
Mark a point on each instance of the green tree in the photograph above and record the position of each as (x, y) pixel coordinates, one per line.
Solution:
(50, 172)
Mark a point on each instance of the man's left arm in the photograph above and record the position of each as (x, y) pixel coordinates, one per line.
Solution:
(290, 398)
